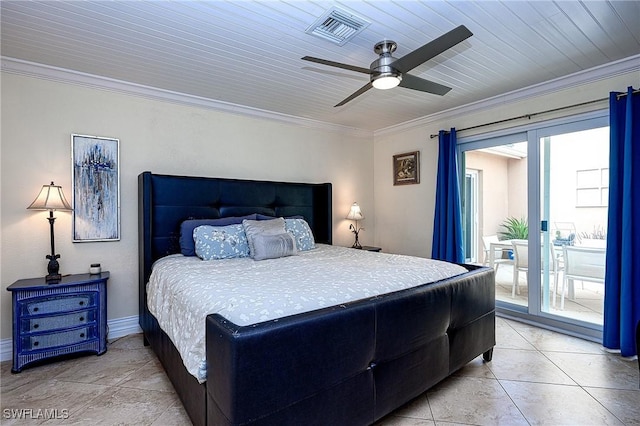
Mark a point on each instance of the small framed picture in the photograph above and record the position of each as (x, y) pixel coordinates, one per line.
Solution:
(96, 188)
(406, 168)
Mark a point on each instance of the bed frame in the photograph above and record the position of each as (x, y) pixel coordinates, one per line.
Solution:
(346, 365)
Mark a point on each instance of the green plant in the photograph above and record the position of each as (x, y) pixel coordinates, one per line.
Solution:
(514, 229)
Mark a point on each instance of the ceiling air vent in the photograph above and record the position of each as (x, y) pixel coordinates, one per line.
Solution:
(338, 26)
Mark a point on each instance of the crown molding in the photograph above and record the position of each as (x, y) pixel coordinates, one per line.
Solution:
(612, 69)
(62, 75)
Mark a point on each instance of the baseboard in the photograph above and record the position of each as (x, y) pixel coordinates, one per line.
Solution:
(118, 327)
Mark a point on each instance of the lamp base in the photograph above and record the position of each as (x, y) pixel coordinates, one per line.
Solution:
(53, 267)
(53, 278)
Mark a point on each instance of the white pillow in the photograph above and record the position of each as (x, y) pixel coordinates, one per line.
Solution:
(273, 246)
(253, 228)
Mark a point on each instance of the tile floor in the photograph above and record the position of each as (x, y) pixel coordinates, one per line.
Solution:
(536, 377)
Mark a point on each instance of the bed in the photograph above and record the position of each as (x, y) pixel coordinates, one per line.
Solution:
(350, 364)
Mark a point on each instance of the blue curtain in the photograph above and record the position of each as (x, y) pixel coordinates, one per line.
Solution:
(447, 224)
(622, 276)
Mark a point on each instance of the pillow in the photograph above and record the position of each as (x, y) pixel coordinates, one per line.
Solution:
(261, 216)
(301, 232)
(273, 246)
(187, 246)
(268, 227)
(220, 242)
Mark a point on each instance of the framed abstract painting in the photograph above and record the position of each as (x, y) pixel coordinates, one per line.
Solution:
(95, 177)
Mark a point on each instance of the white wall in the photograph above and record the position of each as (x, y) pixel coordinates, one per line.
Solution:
(38, 117)
(404, 214)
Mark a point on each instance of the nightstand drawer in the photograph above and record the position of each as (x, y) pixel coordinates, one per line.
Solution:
(53, 305)
(38, 324)
(63, 338)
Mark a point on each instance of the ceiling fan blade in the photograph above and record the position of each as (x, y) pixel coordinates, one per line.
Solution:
(355, 94)
(432, 49)
(336, 64)
(416, 83)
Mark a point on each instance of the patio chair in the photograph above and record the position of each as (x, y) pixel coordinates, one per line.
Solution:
(520, 263)
(584, 264)
(500, 255)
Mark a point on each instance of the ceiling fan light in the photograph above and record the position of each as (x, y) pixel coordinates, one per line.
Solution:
(385, 82)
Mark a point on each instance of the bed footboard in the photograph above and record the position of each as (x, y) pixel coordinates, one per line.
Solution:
(377, 354)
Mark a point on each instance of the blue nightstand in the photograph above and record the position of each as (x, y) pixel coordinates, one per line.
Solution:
(50, 320)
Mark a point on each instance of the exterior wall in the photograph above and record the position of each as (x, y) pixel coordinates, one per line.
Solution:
(493, 187)
(38, 117)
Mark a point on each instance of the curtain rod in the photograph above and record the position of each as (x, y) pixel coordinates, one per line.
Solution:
(528, 116)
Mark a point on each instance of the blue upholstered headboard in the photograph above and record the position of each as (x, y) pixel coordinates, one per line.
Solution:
(164, 201)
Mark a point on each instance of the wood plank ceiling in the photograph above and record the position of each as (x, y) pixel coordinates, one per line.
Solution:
(248, 52)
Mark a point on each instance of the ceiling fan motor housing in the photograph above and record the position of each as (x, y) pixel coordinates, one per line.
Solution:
(383, 66)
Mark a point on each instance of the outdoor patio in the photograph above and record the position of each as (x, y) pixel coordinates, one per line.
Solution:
(588, 304)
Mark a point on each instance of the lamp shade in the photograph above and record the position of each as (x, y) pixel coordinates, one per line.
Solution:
(355, 213)
(50, 197)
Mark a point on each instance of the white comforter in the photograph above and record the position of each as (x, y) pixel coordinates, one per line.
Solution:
(182, 291)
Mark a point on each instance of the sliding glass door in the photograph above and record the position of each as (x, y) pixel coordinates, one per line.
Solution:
(574, 169)
(543, 186)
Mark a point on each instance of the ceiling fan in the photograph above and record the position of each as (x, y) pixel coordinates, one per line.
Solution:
(387, 72)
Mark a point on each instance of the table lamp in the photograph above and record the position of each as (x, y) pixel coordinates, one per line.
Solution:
(51, 198)
(355, 214)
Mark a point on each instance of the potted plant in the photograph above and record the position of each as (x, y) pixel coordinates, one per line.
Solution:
(514, 229)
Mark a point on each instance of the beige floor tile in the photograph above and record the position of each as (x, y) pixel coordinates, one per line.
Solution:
(473, 401)
(416, 409)
(150, 376)
(476, 368)
(173, 416)
(132, 341)
(108, 369)
(526, 366)
(507, 337)
(546, 340)
(624, 404)
(604, 370)
(551, 404)
(123, 406)
(404, 421)
(10, 381)
(52, 395)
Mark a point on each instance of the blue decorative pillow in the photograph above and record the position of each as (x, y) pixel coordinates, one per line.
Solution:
(220, 242)
(187, 245)
(301, 232)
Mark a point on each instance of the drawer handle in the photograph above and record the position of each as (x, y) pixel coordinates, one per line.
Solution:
(81, 334)
(81, 318)
(36, 309)
(36, 325)
(81, 302)
(35, 343)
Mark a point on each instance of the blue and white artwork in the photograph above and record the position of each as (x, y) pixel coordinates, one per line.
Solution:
(96, 188)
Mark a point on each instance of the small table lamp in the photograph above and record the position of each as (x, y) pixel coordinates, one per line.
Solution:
(51, 198)
(355, 214)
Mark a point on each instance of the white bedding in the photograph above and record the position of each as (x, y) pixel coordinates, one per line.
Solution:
(182, 290)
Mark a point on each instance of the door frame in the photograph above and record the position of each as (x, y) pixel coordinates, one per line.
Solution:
(532, 133)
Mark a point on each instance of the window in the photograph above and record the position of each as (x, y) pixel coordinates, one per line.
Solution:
(592, 187)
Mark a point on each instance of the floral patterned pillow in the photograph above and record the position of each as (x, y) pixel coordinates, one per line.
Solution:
(220, 242)
(301, 232)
